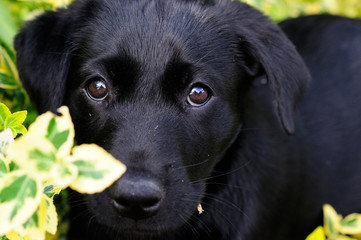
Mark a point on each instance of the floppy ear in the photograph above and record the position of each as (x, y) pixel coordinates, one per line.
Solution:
(43, 59)
(266, 50)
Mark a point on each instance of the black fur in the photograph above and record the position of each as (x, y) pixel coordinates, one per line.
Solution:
(260, 169)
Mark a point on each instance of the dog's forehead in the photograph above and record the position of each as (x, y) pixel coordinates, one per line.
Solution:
(152, 32)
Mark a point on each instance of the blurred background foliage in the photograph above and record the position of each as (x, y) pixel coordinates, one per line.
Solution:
(13, 14)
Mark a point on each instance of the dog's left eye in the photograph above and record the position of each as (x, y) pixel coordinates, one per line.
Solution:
(97, 90)
(198, 96)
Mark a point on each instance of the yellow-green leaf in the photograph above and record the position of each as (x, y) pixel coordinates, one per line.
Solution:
(63, 175)
(20, 129)
(317, 234)
(35, 154)
(15, 119)
(20, 195)
(4, 112)
(43, 128)
(13, 235)
(97, 168)
(351, 224)
(332, 221)
(35, 226)
(51, 216)
(7, 66)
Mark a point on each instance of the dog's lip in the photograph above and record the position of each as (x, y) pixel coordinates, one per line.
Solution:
(135, 227)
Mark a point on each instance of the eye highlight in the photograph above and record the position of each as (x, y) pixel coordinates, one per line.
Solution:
(97, 89)
(198, 96)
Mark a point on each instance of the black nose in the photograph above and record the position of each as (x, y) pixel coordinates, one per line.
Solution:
(136, 197)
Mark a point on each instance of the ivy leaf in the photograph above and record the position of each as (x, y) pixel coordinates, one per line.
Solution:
(97, 169)
(20, 195)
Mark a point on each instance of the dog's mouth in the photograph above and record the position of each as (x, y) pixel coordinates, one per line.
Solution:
(146, 211)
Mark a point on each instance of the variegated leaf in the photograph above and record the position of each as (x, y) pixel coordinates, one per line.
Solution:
(20, 195)
(59, 130)
(37, 155)
(331, 221)
(97, 168)
(351, 224)
(4, 165)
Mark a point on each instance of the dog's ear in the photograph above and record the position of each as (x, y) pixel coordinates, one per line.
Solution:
(264, 49)
(43, 59)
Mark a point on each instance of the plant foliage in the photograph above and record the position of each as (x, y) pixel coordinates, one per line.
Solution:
(35, 167)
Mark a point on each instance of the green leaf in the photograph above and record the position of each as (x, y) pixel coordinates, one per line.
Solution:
(44, 161)
(51, 190)
(20, 129)
(20, 196)
(15, 119)
(4, 166)
(4, 112)
(88, 170)
(7, 82)
(56, 137)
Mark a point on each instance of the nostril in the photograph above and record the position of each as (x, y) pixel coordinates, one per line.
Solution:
(136, 198)
(150, 203)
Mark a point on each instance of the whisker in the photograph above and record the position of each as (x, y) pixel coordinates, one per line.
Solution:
(189, 226)
(208, 231)
(222, 174)
(192, 165)
(225, 202)
(228, 185)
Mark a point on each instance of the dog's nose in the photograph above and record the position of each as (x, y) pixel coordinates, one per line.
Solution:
(136, 197)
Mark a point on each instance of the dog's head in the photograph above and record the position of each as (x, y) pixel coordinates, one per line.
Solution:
(159, 85)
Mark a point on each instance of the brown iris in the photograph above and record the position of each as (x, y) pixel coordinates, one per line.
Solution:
(97, 89)
(198, 96)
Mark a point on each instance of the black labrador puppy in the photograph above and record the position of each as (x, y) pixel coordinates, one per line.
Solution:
(198, 98)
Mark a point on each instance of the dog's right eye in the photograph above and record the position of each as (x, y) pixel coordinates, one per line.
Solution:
(97, 89)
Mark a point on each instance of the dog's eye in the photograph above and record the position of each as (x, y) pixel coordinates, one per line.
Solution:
(198, 96)
(97, 89)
